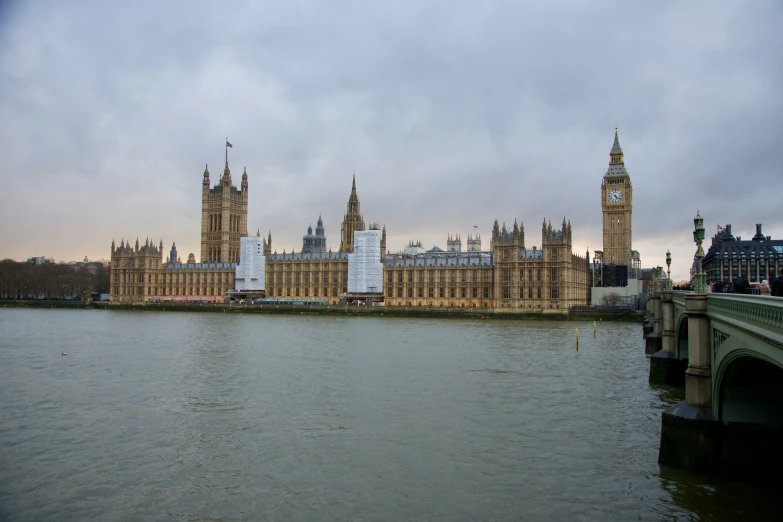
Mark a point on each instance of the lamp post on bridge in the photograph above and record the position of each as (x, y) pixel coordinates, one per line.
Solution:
(699, 280)
(668, 270)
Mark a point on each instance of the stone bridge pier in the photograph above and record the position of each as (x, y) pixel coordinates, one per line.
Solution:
(727, 349)
(668, 365)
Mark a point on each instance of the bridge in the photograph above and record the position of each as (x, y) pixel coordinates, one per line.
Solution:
(727, 350)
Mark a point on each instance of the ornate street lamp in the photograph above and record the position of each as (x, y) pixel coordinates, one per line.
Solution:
(668, 270)
(699, 280)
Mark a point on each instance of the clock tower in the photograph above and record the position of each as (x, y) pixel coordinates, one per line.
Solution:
(617, 206)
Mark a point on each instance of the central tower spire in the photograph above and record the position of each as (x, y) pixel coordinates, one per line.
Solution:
(352, 221)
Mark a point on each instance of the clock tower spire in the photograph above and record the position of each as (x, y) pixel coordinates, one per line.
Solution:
(617, 207)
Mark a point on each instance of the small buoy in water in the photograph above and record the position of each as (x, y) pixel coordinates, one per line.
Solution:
(65, 353)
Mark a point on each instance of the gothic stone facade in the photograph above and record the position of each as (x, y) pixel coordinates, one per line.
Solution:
(313, 274)
(139, 274)
(508, 277)
(223, 218)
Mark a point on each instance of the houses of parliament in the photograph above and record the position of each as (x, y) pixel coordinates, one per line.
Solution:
(509, 275)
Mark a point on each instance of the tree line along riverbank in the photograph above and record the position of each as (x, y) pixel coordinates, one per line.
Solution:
(377, 311)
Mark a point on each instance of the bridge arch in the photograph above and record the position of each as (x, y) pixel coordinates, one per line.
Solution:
(749, 388)
(681, 337)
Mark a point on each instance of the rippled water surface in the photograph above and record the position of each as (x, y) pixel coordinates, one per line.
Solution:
(191, 416)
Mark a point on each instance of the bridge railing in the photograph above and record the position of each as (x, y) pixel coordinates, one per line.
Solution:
(756, 310)
(678, 296)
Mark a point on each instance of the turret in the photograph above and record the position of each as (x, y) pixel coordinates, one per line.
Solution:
(205, 182)
(244, 180)
(173, 254)
(226, 179)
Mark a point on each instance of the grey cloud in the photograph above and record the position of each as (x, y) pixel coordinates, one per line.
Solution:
(452, 114)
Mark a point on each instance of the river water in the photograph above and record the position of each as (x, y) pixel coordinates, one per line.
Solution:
(205, 416)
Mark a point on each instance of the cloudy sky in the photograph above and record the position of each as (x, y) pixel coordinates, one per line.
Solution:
(451, 114)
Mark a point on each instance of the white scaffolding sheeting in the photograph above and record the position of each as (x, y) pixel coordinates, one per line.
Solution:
(365, 271)
(251, 272)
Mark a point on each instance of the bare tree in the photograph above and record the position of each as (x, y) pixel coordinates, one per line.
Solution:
(612, 299)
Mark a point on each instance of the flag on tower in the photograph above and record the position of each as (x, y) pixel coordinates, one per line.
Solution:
(229, 144)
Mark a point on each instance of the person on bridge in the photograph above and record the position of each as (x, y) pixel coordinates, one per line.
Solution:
(764, 288)
(777, 287)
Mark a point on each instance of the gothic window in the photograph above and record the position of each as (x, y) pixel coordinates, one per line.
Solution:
(554, 293)
(506, 292)
(399, 276)
(538, 292)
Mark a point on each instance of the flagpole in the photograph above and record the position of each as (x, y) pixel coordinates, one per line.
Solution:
(226, 150)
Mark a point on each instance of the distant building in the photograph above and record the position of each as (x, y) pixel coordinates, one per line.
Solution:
(508, 275)
(753, 260)
(39, 260)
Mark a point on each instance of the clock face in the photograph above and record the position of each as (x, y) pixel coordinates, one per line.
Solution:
(616, 196)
